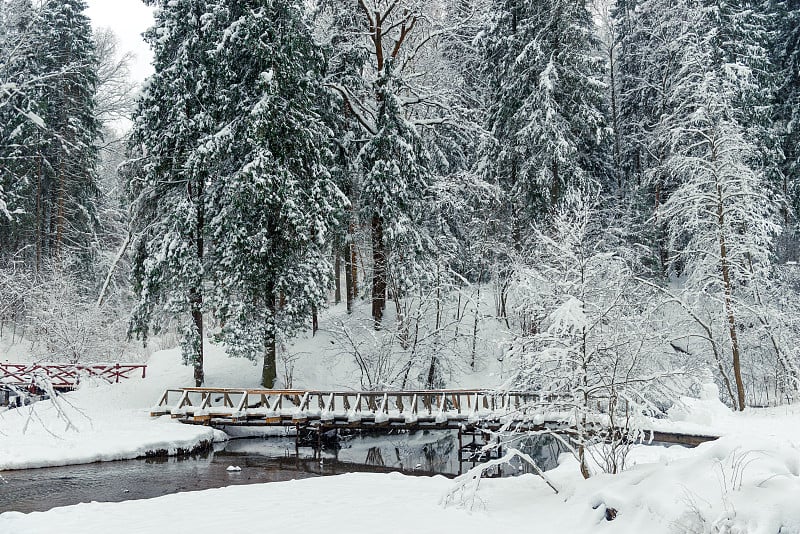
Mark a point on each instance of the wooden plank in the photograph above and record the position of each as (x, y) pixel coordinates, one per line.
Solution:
(451, 410)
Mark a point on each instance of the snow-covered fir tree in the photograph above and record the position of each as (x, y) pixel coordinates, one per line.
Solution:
(545, 105)
(170, 174)
(395, 168)
(50, 133)
(786, 54)
(395, 97)
(275, 203)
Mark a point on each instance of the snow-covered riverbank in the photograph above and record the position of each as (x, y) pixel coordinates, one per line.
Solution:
(746, 482)
(726, 486)
(103, 422)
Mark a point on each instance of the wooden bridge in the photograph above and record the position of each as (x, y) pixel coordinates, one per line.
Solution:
(67, 376)
(265, 407)
(463, 410)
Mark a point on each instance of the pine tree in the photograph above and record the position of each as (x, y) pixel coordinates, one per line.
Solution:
(395, 177)
(169, 175)
(276, 204)
(786, 54)
(546, 102)
(17, 131)
(71, 154)
(50, 139)
(396, 44)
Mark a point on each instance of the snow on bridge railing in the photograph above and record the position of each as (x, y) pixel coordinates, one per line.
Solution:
(447, 408)
(68, 376)
(289, 407)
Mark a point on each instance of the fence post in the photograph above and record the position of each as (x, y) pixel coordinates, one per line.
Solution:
(116, 368)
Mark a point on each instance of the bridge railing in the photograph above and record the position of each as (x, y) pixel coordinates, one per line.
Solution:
(452, 408)
(283, 406)
(68, 376)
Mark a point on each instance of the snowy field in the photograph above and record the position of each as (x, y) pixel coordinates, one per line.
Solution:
(102, 421)
(723, 487)
(746, 482)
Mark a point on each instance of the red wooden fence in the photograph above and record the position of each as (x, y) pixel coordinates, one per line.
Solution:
(67, 376)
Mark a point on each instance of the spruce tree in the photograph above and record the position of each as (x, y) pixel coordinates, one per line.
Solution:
(19, 136)
(275, 204)
(169, 174)
(393, 43)
(395, 170)
(71, 154)
(546, 101)
(49, 139)
(786, 56)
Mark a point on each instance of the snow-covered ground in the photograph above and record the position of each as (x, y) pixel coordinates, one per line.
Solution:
(748, 481)
(723, 487)
(112, 421)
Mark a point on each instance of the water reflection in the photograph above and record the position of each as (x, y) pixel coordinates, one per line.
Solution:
(261, 460)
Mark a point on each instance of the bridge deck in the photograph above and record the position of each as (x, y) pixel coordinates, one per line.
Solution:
(440, 408)
(443, 409)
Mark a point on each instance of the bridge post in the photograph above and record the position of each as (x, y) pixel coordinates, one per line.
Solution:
(460, 450)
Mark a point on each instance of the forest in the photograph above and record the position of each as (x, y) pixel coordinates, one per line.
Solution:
(612, 188)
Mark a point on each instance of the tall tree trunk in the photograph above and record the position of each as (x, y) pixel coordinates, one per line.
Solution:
(196, 300)
(615, 114)
(378, 271)
(351, 247)
(663, 254)
(348, 278)
(337, 271)
(39, 214)
(269, 372)
(60, 215)
(555, 189)
(729, 312)
(196, 292)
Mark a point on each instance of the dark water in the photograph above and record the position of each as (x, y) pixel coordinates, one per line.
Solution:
(261, 460)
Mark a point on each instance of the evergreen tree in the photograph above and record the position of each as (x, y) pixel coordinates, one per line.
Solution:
(18, 134)
(394, 97)
(546, 102)
(170, 173)
(71, 153)
(787, 102)
(275, 205)
(50, 138)
(395, 166)
(648, 68)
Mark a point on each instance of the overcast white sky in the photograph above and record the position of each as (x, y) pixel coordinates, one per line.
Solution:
(128, 19)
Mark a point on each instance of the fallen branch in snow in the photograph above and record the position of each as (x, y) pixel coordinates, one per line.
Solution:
(466, 486)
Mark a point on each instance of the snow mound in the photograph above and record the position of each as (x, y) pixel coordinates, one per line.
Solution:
(705, 410)
(102, 422)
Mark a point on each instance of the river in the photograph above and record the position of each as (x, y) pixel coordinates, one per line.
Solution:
(261, 460)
